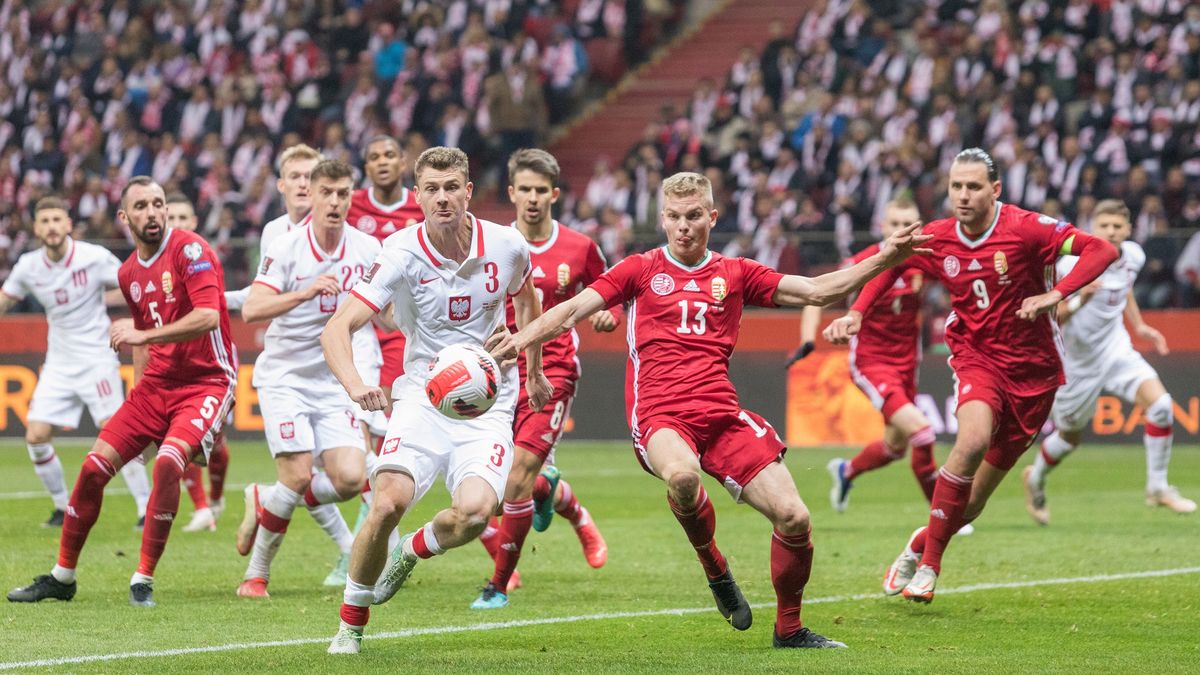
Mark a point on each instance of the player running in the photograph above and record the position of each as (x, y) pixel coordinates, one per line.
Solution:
(996, 261)
(883, 363)
(683, 320)
(447, 281)
(1100, 358)
(564, 263)
(173, 285)
(207, 507)
(304, 275)
(68, 278)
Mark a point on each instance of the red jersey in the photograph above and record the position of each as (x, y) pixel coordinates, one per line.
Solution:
(182, 275)
(988, 278)
(563, 265)
(383, 220)
(891, 328)
(682, 324)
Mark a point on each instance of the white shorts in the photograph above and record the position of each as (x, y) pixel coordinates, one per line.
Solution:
(308, 421)
(1075, 401)
(423, 442)
(60, 397)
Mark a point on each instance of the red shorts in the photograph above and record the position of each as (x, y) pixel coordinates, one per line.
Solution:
(538, 431)
(1017, 419)
(888, 388)
(733, 445)
(392, 346)
(158, 409)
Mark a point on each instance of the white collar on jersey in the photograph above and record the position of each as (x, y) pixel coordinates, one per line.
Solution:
(547, 243)
(974, 243)
(161, 247)
(66, 259)
(689, 268)
(319, 253)
(387, 208)
(437, 259)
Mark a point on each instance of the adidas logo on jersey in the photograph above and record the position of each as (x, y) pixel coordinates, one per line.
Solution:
(150, 287)
(974, 266)
(538, 273)
(691, 286)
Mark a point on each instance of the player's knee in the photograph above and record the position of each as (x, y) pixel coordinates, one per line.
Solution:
(473, 518)
(36, 436)
(792, 518)
(96, 470)
(170, 464)
(1161, 412)
(684, 486)
(387, 508)
(348, 483)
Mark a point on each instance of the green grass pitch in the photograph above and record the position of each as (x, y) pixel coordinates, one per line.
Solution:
(649, 609)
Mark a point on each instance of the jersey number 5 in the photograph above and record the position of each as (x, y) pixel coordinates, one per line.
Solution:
(694, 325)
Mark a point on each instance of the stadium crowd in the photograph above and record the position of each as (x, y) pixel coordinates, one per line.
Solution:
(856, 102)
(204, 95)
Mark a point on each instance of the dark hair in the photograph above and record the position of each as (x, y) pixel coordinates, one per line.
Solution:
(537, 161)
(979, 156)
(51, 202)
(178, 198)
(135, 181)
(330, 169)
(380, 138)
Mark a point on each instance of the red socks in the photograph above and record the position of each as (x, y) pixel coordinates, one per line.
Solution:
(950, 498)
(874, 456)
(193, 480)
(700, 524)
(568, 506)
(491, 537)
(924, 466)
(218, 465)
(84, 507)
(514, 527)
(164, 503)
(791, 565)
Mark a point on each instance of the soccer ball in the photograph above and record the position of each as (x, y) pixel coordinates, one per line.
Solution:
(463, 381)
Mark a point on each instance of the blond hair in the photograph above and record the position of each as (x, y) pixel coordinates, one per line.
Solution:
(686, 184)
(1111, 207)
(440, 158)
(298, 151)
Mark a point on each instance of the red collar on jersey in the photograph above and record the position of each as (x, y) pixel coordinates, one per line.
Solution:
(312, 244)
(433, 258)
(66, 262)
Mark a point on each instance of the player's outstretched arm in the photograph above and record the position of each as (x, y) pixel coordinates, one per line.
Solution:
(828, 288)
(527, 309)
(265, 303)
(1095, 255)
(560, 319)
(1133, 314)
(337, 343)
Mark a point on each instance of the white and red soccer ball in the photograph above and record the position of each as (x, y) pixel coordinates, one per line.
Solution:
(463, 381)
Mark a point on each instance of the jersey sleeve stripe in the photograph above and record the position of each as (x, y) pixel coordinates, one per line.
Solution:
(263, 283)
(528, 271)
(365, 301)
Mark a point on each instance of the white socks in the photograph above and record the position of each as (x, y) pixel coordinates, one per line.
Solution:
(134, 473)
(49, 469)
(278, 506)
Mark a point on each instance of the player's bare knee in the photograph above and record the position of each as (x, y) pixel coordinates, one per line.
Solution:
(1072, 436)
(792, 518)
(348, 483)
(1161, 412)
(684, 486)
(36, 435)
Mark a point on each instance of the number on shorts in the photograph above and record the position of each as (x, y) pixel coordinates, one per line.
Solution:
(758, 431)
(104, 388)
(980, 290)
(209, 407)
(557, 418)
(498, 456)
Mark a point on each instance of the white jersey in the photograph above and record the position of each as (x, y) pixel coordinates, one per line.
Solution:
(1097, 329)
(72, 292)
(292, 355)
(438, 302)
(235, 300)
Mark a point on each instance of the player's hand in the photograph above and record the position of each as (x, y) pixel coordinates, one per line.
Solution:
(801, 352)
(502, 347)
(122, 333)
(323, 284)
(539, 389)
(903, 243)
(1151, 334)
(369, 397)
(1036, 305)
(603, 321)
(841, 329)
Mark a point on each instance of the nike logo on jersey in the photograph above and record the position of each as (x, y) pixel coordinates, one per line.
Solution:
(974, 266)
(428, 281)
(299, 279)
(691, 286)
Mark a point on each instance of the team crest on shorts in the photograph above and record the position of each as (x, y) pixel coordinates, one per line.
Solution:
(952, 266)
(662, 284)
(193, 251)
(460, 308)
(367, 224)
(135, 291)
(287, 430)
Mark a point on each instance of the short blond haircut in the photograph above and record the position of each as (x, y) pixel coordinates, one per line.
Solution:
(686, 184)
(298, 151)
(1111, 207)
(440, 158)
